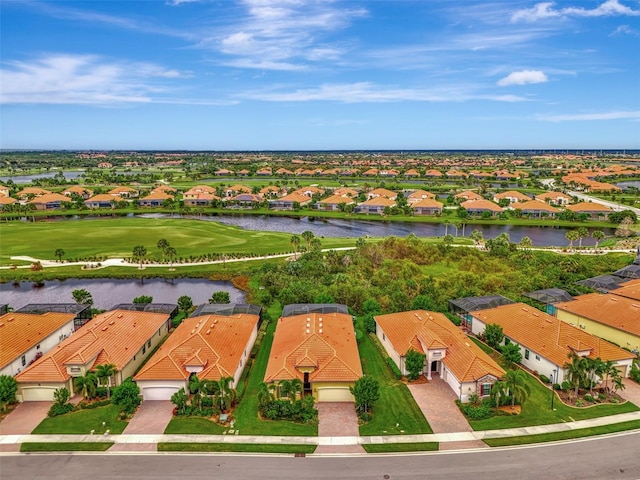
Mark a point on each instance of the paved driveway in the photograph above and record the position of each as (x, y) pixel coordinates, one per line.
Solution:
(151, 418)
(22, 421)
(437, 402)
(337, 419)
(631, 391)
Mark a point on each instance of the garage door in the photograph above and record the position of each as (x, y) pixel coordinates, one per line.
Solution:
(158, 393)
(623, 370)
(38, 394)
(334, 394)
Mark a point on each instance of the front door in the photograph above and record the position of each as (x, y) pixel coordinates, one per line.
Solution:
(306, 384)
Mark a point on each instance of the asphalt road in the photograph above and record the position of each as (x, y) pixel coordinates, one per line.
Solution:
(611, 458)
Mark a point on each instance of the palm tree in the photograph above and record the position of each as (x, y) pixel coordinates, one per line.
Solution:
(265, 394)
(308, 236)
(105, 372)
(572, 236)
(295, 243)
(171, 253)
(576, 371)
(284, 388)
(608, 369)
(477, 237)
(195, 387)
(457, 226)
(598, 236)
(446, 226)
(226, 394)
(582, 233)
(59, 253)
(295, 387)
(316, 243)
(515, 382)
(525, 243)
(163, 244)
(86, 384)
(139, 252)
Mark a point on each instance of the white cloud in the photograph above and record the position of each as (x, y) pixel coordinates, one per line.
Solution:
(620, 115)
(545, 10)
(523, 77)
(175, 3)
(81, 79)
(625, 30)
(367, 92)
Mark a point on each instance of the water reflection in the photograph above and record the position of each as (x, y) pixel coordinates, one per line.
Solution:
(109, 292)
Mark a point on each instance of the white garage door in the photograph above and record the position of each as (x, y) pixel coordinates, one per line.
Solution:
(334, 394)
(38, 394)
(158, 393)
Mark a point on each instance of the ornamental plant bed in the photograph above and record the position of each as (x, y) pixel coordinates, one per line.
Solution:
(586, 399)
(421, 379)
(509, 410)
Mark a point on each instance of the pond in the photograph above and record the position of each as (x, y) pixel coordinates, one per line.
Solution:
(108, 292)
(20, 179)
(630, 183)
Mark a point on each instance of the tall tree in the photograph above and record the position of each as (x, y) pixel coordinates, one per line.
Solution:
(185, 303)
(582, 233)
(477, 236)
(366, 391)
(163, 244)
(104, 372)
(572, 236)
(493, 335)
(598, 236)
(308, 236)
(414, 363)
(264, 395)
(139, 252)
(59, 253)
(8, 390)
(171, 253)
(295, 243)
(513, 385)
(576, 371)
(220, 297)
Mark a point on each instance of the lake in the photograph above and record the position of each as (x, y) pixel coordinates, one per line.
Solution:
(108, 292)
(630, 183)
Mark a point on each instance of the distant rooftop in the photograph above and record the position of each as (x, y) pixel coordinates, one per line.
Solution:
(550, 295)
(168, 308)
(473, 304)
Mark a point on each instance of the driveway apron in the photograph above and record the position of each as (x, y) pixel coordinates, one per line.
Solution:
(337, 419)
(151, 418)
(22, 421)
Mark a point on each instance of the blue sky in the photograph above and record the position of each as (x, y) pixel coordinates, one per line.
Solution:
(320, 74)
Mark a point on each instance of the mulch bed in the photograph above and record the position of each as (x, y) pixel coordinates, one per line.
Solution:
(568, 398)
(515, 410)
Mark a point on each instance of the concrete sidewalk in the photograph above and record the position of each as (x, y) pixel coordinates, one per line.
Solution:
(350, 440)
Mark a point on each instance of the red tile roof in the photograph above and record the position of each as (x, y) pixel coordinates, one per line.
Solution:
(216, 342)
(612, 310)
(111, 337)
(21, 331)
(420, 329)
(324, 340)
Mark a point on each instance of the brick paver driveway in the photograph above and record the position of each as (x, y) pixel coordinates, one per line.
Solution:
(631, 391)
(152, 417)
(437, 402)
(337, 419)
(22, 421)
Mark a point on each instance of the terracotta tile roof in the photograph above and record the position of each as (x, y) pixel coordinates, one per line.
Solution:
(32, 191)
(337, 199)
(433, 173)
(157, 195)
(21, 331)
(111, 337)
(247, 197)
(102, 197)
(79, 190)
(588, 207)
(7, 200)
(294, 197)
(119, 190)
(50, 198)
(536, 205)
(553, 196)
(612, 310)
(468, 195)
(427, 203)
(344, 191)
(238, 188)
(481, 205)
(215, 342)
(520, 197)
(628, 289)
(379, 201)
(419, 195)
(432, 330)
(330, 344)
(200, 189)
(546, 335)
(381, 192)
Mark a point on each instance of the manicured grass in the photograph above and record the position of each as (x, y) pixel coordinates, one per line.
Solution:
(552, 437)
(190, 425)
(537, 409)
(246, 413)
(83, 421)
(396, 412)
(401, 447)
(234, 447)
(66, 447)
(118, 236)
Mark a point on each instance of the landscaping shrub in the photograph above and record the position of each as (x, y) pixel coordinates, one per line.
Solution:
(101, 403)
(565, 386)
(476, 411)
(589, 398)
(557, 386)
(60, 409)
(394, 368)
(302, 411)
(544, 378)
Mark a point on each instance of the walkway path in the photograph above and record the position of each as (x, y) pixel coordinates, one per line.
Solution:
(442, 438)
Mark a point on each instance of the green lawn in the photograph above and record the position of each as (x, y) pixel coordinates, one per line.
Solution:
(552, 437)
(198, 425)
(537, 409)
(401, 447)
(246, 413)
(396, 412)
(234, 447)
(118, 236)
(83, 421)
(66, 447)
